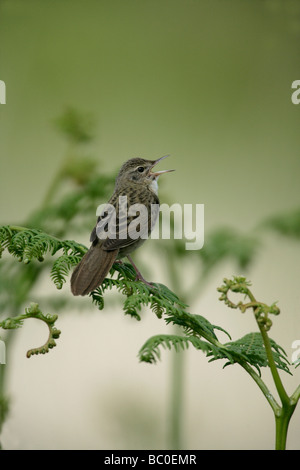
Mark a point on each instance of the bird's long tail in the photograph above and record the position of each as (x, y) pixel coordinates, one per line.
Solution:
(92, 269)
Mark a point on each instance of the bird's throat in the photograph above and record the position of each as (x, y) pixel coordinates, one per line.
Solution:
(154, 186)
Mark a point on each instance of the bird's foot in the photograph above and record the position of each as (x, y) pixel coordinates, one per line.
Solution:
(139, 276)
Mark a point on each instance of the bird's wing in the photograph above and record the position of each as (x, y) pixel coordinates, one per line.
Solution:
(129, 221)
(104, 220)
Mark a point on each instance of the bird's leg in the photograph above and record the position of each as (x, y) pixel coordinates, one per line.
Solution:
(139, 276)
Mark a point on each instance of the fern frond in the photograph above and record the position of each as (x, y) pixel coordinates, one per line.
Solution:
(150, 351)
(26, 244)
(159, 298)
(61, 268)
(29, 243)
(34, 312)
(5, 238)
(250, 348)
(195, 325)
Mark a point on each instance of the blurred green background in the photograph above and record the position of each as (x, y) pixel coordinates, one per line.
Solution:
(208, 82)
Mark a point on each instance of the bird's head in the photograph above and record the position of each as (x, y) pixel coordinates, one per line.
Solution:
(139, 170)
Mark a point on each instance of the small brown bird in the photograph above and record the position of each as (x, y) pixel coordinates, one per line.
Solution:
(119, 231)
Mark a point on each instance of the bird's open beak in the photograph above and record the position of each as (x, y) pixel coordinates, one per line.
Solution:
(158, 173)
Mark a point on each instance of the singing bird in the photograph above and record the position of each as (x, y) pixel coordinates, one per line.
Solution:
(114, 235)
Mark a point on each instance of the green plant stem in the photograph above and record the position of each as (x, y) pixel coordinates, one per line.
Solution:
(261, 384)
(284, 414)
(282, 418)
(282, 423)
(296, 395)
(285, 400)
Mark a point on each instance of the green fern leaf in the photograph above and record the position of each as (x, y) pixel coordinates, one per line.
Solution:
(250, 348)
(195, 325)
(61, 268)
(150, 351)
(5, 238)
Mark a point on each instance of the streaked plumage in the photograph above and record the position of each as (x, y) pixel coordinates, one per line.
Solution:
(139, 185)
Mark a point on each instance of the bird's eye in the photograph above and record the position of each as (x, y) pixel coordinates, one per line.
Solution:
(140, 169)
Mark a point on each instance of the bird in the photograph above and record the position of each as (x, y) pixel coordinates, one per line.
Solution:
(119, 231)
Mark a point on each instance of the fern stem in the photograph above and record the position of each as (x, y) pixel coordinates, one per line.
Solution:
(282, 423)
(261, 384)
(284, 414)
(285, 400)
(296, 395)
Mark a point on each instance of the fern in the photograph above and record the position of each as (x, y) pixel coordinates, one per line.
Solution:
(138, 295)
(61, 268)
(250, 348)
(150, 352)
(195, 324)
(252, 352)
(34, 312)
(28, 244)
(61, 212)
